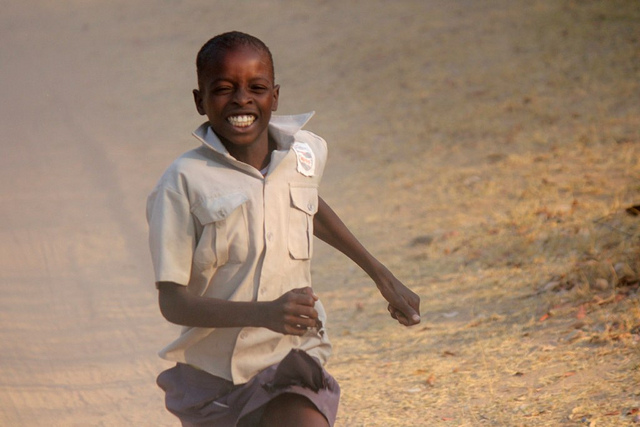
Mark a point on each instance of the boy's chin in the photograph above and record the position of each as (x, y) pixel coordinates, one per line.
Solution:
(244, 138)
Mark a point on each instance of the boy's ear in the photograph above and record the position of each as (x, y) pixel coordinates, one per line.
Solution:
(197, 98)
(276, 94)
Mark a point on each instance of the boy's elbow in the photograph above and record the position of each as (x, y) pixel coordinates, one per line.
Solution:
(167, 310)
(170, 300)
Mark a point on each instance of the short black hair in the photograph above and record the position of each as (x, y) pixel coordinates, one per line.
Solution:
(209, 52)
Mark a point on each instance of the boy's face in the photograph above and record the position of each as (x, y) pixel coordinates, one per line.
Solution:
(237, 93)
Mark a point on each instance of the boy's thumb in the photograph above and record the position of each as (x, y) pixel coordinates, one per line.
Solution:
(409, 312)
(307, 290)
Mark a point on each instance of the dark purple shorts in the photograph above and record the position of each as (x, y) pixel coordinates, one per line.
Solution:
(198, 398)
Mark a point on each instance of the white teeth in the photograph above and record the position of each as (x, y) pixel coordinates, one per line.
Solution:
(241, 121)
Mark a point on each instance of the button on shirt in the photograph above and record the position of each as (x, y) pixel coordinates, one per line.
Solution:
(221, 228)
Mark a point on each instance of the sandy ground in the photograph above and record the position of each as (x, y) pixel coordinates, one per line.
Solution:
(473, 147)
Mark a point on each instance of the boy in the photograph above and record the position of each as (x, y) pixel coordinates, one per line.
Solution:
(231, 231)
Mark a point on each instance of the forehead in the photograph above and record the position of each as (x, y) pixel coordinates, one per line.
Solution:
(238, 61)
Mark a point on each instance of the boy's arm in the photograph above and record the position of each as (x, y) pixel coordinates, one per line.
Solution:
(292, 313)
(404, 305)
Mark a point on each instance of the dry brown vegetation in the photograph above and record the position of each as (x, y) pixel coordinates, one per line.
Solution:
(512, 227)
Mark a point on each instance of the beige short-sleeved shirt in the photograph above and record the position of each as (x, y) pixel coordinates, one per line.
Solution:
(221, 228)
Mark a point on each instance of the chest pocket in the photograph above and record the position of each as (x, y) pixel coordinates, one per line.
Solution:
(224, 238)
(304, 205)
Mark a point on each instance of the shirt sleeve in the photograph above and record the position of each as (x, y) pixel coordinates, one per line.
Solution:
(172, 235)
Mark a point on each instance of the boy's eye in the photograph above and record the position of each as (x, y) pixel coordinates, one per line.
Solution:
(259, 88)
(222, 90)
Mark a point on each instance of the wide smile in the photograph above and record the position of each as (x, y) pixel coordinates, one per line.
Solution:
(241, 121)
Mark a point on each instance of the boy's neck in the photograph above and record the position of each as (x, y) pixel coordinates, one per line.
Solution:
(257, 155)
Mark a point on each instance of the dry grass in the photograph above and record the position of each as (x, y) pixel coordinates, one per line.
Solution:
(532, 318)
(516, 237)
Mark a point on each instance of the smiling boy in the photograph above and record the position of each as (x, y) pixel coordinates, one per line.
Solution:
(231, 228)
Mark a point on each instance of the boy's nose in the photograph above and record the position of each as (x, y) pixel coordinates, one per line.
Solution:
(242, 96)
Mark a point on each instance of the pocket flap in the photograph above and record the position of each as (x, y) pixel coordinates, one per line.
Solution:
(305, 199)
(213, 209)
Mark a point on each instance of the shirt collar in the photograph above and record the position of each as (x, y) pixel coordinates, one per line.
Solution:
(282, 128)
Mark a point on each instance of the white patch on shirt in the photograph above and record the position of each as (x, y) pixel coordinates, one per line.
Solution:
(306, 158)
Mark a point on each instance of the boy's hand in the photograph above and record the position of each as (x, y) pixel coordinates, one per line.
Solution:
(293, 312)
(404, 305)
